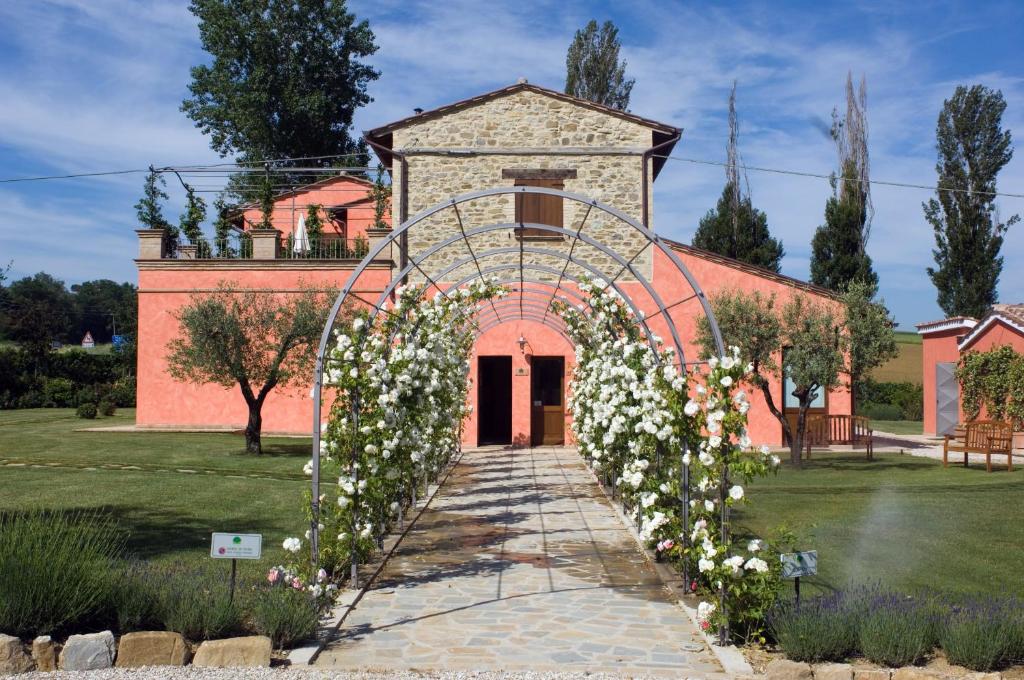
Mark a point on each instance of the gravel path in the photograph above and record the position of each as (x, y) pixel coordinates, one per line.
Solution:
(191, 673)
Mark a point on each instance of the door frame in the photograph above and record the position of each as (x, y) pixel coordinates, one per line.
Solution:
(539, 414)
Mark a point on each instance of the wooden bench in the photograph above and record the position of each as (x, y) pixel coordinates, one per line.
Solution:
(827, 429)
(986, 437)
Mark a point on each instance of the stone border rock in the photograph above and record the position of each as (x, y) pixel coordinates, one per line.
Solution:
(98, 652)
(784, 669)
(307, 653)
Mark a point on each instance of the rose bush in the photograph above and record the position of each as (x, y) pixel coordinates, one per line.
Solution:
(401, 380)
(639, 419)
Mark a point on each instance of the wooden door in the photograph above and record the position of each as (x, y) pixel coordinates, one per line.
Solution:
(547, 412)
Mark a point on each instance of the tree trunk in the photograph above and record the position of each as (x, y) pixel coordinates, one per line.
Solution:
(796, 450)
(254, 428)
(787, 435)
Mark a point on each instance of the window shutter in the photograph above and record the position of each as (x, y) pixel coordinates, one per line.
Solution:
(538, 208)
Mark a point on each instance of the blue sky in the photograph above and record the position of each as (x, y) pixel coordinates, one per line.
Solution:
(92, 85)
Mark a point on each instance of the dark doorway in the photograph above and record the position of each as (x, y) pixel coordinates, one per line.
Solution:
(547, 414)
(494, 400)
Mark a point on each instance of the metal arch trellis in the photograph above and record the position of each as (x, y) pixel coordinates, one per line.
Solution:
(576, 236)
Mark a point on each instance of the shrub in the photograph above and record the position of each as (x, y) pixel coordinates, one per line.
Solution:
(87, 411)
(106, 407)
(30, 399)
(896, 630)
(284, 615)
(820, 629)
(90, 394)
(195, 601)
(122, 392)
(58, 393)
(982, 635)
(136, 599)
(55, 572)
(880, 411)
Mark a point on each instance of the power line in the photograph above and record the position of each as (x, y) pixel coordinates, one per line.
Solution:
(798, 173)
(75, 176)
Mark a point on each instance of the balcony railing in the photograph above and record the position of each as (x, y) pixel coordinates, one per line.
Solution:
(325, 248)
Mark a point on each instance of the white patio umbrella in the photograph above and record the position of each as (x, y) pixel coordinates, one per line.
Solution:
(300, 239)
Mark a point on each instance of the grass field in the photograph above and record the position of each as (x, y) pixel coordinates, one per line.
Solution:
(907, 366)
(898, 426)
(168, 491)
(901, 521)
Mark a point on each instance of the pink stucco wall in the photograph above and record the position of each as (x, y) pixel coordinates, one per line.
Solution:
(164, 402)
(502, 341)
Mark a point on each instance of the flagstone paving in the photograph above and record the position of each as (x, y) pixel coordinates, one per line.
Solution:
(520, 563)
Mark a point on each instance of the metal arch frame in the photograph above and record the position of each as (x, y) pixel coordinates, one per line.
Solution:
(401, 232)
(414, 264)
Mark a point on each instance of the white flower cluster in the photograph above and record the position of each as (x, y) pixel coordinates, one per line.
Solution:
(401, 380)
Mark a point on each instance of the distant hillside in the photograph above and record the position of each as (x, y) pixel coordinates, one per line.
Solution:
(907, 366)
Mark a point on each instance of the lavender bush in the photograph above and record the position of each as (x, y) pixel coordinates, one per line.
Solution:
(897, 630)
(821, 629)
(984, 634)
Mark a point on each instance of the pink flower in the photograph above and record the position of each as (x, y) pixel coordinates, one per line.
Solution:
(668, 543)
(296, 583)
(705, 625)
(274, 575)
(321, 576)
(693, 586)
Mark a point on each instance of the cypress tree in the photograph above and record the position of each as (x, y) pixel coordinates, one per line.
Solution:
(972, 149)
(838, 257)
(746, 238)
(593, 69)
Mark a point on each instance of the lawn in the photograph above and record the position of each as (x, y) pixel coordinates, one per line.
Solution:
(901, 521)
(169, 491)
(898, 426)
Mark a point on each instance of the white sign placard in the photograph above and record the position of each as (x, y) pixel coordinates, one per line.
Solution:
(795, 565)
(236, 546)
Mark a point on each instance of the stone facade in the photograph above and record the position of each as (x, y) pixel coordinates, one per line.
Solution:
(463, 150)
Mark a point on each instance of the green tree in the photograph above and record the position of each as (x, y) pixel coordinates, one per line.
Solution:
(838, 257)
(191, 222)
(972, 149)
(314, 229)
(149, 212)
(868, 339)
(809, 331)
(222, 230)
(593, 69)
(381, 196)
(255, 340)
(38, 311)
(735, 228)
(105, 307)
(740, 234)
(285, 80)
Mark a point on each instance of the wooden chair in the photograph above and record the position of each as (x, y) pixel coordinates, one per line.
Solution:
(838, 429)
(981, 436)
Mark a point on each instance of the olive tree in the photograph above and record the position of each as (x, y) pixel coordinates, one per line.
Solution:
(252, 339)
(810, 332)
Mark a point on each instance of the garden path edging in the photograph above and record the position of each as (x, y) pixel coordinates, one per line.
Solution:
(731, 658)
(306, 655)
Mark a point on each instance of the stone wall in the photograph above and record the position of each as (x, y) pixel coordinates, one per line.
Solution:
(539, 132)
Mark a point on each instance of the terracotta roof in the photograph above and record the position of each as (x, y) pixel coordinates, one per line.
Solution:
(303, 189)
(752, 269)
(946, 324)
(1010, 315)
(664, 132)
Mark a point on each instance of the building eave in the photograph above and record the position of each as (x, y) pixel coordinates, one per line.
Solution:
(987, 322)
(755, 270)
(941, 325)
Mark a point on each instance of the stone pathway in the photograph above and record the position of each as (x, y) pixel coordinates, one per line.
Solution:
(520, 563)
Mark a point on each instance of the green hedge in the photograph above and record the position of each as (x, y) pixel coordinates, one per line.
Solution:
(889, 400)
(67, 380)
